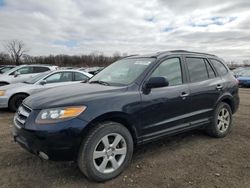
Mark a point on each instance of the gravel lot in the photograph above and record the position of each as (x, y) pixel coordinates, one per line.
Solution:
(187, 160)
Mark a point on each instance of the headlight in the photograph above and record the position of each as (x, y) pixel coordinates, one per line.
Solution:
(55, 115)
(2, 92)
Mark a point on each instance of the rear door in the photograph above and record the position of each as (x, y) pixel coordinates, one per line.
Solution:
(205, 88)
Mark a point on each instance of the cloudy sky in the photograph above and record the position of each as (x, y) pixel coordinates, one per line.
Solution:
(47, 27)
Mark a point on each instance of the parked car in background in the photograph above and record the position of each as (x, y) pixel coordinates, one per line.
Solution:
(6, 68)
(133, 101)
(244, 78)
(68, 68)
(23, 72)
(12, 95)
(238, 71)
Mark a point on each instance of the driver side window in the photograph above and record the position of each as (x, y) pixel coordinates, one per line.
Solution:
(60, 77)
(170, 69)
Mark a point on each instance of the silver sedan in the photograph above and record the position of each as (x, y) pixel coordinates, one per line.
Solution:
(11, 96)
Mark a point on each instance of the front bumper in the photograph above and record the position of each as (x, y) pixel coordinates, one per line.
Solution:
(4, 102)
(58, 144)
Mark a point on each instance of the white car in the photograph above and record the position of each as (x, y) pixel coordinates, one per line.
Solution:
(12, 95)
(23, 72)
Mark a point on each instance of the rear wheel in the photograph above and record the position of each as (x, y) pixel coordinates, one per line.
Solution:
(222, 121)
(16, 101)
(106, 151)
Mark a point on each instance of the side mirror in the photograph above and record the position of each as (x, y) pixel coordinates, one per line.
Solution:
(43, 82)
(156, 82)
(16, 74)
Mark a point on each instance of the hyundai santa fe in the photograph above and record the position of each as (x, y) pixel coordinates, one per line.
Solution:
(133, 101)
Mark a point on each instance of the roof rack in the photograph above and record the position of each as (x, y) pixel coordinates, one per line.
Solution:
(184, 51)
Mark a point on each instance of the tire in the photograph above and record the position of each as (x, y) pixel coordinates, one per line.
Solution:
(16, 101)
(220, 127)
(92, 168)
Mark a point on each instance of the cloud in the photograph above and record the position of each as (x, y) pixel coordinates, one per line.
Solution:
(131, 26)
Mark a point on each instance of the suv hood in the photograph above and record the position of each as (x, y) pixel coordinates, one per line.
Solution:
(71, 95)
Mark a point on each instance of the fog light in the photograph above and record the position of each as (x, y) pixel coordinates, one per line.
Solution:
(43, 155)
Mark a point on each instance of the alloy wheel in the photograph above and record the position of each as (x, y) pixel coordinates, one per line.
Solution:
(110, 153)
(223, 120)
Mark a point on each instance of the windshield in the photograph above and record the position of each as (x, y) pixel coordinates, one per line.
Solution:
(5, 69)
(12, 70)
(36, 78)
(122, 72)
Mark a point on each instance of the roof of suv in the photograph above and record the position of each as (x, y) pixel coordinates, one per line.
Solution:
(176, 52)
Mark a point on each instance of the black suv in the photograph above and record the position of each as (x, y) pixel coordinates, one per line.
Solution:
(135, 100)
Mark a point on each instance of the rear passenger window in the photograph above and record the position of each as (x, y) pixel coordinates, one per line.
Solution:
(197, 69)
(210, 71)
(40, 69)
(171, 69)
(220, 67)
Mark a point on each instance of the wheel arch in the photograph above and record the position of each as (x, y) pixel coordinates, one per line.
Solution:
(228, 99)
(20, 93)
(119, 117)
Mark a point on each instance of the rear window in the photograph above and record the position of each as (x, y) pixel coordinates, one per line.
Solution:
(80, 77)
(40, 69)
(219, 66)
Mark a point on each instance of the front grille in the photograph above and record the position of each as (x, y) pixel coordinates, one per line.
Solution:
(21, 115)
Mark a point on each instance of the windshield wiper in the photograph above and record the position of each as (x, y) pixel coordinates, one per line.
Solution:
(100, 82)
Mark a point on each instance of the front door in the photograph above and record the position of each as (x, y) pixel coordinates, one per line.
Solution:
(166, 109)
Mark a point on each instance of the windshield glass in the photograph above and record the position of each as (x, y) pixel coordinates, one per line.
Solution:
(5, 69)
(122, 72)
(12, 70)
(36, 78)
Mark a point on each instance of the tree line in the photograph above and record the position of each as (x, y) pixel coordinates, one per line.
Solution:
(16, 54)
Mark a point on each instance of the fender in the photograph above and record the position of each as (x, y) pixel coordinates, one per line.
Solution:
(119, 117)
(228, 98)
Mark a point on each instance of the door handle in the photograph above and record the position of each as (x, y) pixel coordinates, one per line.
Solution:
(219, 87)
(184, 94)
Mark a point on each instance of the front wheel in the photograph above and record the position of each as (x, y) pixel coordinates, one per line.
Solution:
(222, 121)
(16, 101)
(106, 151)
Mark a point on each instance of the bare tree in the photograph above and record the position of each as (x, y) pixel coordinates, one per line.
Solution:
(16, 49)
(4, 59)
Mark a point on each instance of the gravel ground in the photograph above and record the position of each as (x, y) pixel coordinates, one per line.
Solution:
(187, 160)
